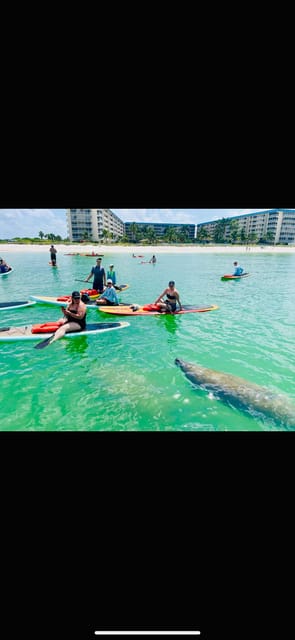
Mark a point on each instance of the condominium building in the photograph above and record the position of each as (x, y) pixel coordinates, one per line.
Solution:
(276, 223)
(158, 230)
(93, 224)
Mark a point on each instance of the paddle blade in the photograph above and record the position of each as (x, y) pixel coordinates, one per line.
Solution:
(44, 343)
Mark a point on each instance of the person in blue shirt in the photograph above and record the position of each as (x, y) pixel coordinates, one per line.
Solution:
(238, 270)
(109, 296)
(98, 272)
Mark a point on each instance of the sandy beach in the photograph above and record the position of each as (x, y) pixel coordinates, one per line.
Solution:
(147, 250)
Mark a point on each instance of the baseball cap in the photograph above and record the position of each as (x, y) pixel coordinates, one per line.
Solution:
(76, 294)
(109, 281)
(111, 265)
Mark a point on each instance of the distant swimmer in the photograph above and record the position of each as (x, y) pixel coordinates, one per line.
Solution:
(153, 260)
(238, 270)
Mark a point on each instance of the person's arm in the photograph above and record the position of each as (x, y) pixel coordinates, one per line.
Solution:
(178, 300)
(161, 296)
(88, 277)
(80, 313)
(104, 278)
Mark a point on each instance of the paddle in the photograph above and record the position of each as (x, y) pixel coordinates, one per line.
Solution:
(44, 343)
(77, 280)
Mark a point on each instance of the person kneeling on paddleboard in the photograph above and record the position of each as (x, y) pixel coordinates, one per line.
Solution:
(74, 317)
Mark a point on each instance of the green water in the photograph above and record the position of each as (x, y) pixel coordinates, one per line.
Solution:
(127, 379)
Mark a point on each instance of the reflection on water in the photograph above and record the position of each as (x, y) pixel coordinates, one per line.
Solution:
(170, 323)
(76, 346)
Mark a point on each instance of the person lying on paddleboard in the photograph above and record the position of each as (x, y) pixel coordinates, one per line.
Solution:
(74, 317)
(172, 298)
(238, 270)
(109, 296)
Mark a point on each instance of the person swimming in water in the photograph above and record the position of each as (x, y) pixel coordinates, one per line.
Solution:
(172, 298)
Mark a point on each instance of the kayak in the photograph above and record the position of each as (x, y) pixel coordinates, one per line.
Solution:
(7, 272)
(91, 255)
(10, 334)
(126, 310)
(232, 277)
(16, 305)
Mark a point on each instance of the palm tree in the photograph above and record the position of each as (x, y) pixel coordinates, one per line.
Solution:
(41, 235)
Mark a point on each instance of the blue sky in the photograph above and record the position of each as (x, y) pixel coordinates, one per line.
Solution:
(28, 222)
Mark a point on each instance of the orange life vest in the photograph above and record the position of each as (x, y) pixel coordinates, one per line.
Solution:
(47, 327)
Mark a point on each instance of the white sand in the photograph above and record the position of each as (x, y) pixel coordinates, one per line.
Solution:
(146, 251)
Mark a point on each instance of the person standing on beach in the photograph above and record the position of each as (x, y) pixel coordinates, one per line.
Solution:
(238, 270)
(53, 252)
(99, 282)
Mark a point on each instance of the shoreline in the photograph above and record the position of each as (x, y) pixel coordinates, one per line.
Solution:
(143, 250)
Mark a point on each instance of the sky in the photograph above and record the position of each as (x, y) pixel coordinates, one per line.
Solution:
(28, 222)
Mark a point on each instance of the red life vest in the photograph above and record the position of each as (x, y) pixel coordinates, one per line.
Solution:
(47, 327)
(151, 307)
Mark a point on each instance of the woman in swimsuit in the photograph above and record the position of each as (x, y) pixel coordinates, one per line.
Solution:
(74, 317)
(172, 298)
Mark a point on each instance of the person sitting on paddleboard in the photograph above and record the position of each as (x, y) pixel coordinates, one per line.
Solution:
(172, 298)
(98, 272)
(74, 317)
(3, 266)
(109, 296)
(238, 270)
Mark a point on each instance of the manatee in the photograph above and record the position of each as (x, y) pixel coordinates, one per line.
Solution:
(241, 393)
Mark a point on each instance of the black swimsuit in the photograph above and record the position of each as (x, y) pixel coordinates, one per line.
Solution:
(80, 321)
(171, 302)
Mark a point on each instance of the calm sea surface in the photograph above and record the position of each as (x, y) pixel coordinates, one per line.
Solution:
(127, 379)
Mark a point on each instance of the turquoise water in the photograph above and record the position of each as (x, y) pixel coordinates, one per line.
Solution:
(127, 379)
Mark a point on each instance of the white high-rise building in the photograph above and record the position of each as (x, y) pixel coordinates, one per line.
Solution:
(93, 224)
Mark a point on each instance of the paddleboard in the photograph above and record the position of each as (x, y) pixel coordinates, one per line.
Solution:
(16, 305)
(231, 277)
(60, 303)
(52, 265)
(91, 255)
(127, 311)
(11, 334)
(7, 272)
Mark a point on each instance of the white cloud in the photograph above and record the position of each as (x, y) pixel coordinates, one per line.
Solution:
(28, 222)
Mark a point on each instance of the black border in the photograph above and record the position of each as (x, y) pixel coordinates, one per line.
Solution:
(169, 529)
